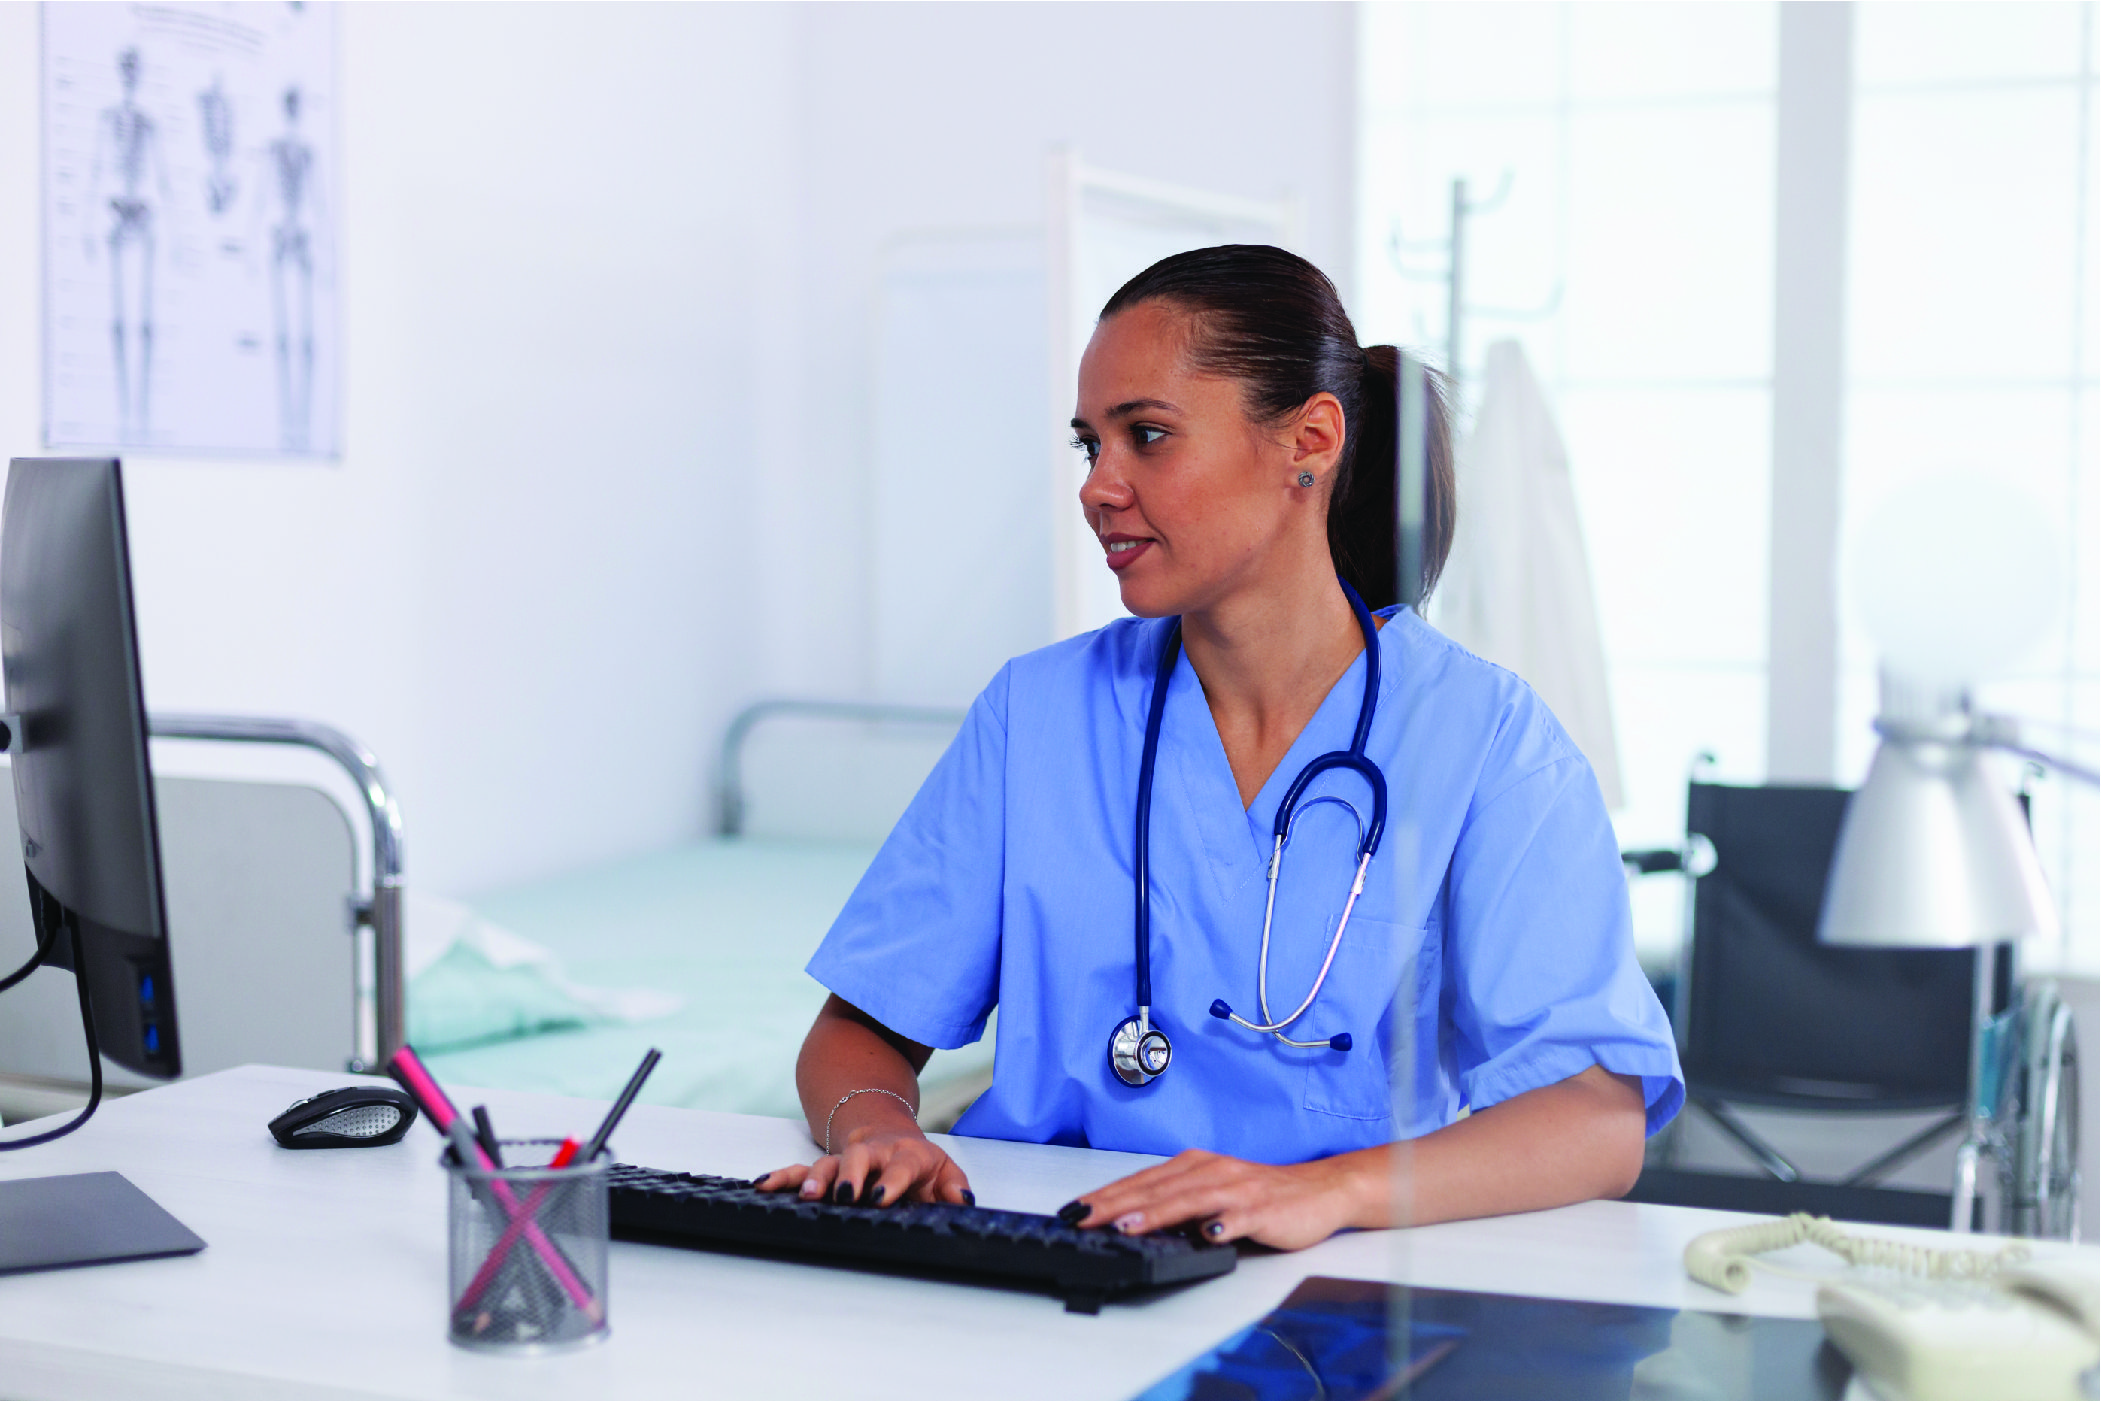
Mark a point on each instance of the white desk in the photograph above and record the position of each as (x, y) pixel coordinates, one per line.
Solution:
(325, 1275)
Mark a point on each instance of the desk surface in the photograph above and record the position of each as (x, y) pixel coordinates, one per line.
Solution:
(325, 1274)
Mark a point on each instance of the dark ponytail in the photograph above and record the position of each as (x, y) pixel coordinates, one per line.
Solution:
(1273, 321)
(1361, 517)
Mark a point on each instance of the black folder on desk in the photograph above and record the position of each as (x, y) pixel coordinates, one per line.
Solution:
(1333, 1338)
(85, 1218)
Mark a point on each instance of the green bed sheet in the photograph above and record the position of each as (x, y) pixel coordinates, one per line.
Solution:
(727, 924)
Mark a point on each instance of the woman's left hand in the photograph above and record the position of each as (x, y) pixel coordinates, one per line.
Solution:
(1231, 1199)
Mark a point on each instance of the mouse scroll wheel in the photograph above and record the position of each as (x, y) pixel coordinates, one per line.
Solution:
(364, 1121)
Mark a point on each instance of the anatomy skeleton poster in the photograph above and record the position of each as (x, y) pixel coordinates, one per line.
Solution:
(190, 249)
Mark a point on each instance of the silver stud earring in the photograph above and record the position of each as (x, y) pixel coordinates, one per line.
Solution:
(1305, 479)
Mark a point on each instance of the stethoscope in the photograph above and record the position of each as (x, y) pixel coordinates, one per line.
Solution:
(1139, 1052)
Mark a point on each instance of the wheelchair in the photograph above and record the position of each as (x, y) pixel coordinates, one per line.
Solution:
(1766, 1016)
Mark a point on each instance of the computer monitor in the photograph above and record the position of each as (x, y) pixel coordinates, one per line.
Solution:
(83, 789)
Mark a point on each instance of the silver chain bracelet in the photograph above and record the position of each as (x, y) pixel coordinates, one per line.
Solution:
(871, 1090)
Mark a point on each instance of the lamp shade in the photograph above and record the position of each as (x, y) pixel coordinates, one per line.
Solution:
(1933, 853)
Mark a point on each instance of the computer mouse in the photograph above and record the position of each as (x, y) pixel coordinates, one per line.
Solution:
(355, 1116)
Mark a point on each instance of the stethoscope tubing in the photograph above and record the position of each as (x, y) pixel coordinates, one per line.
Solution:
(1369, 835)
(1269, 911)
(1155, 711)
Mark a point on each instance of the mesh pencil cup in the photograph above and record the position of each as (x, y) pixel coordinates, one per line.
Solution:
(528, 1251)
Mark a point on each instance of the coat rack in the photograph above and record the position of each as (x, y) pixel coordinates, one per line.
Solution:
(1452, 248)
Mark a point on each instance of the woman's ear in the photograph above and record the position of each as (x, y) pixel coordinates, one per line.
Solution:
(1317, 436)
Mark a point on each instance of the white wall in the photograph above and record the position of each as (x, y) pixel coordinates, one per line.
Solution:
(607, 277)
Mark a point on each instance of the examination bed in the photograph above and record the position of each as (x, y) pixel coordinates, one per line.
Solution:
(724, 925)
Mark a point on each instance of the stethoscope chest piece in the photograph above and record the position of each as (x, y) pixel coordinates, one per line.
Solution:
(1139, 1053)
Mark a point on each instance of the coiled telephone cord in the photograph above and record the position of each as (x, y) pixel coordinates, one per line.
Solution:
(1722, 1259)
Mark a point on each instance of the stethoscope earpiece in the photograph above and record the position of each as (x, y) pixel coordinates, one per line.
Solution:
(1138, 1051)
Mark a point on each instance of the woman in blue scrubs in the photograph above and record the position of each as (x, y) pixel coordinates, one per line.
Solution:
(1482, 1006)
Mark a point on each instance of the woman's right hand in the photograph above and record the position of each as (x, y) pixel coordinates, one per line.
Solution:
(879, 1165)
(859, 1081)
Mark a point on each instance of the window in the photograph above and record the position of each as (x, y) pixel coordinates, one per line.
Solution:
(1634, 242)
(1971, 339)
(1632, 255)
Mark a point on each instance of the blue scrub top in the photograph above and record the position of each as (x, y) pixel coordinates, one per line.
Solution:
(1496, 904)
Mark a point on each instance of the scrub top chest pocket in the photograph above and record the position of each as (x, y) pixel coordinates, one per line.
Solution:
(1384, 975)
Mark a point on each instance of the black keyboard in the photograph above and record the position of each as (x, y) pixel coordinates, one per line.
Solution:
(1005, 1247)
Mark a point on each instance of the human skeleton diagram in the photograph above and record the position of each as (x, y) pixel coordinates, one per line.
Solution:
(297, 201)
(188, 239)
(215, 124)
(127, 186)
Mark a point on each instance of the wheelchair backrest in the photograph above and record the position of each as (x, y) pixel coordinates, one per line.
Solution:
(1774, 1017)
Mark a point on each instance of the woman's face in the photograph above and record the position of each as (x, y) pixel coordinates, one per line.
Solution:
(1192, 501)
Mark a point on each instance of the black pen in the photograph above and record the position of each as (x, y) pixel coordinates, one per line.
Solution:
(613, 1115)
(486, 1132)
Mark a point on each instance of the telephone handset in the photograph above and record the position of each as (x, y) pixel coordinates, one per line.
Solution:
(1933, 1324)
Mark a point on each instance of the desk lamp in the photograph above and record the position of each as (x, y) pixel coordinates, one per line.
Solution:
(1958, 579)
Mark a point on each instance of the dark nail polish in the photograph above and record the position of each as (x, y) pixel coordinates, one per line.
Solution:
(970, 1198)
(1215, 1229)
(1073, 1212)
(843, 1194)
(760, 1180)
(874, 1194)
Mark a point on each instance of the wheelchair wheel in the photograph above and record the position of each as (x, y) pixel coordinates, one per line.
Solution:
(2044, 1193)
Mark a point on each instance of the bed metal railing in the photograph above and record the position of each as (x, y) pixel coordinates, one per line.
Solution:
(381, 910)
(731, 815)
